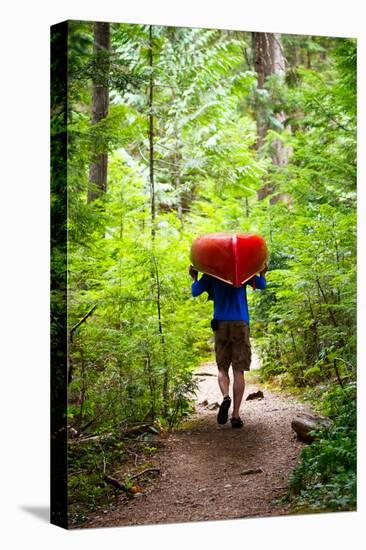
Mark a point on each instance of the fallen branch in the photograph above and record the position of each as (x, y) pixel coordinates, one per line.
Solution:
(252, 471)
(203, 374)
(148, 470)
(92, 439)
(112, 480)
(135, 455)
(139, 429)
(115, 483)
(120, 486)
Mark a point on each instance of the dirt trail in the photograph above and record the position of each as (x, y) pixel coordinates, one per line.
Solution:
(203, 466)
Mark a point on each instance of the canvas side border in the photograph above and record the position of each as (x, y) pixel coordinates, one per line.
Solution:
(58, 283)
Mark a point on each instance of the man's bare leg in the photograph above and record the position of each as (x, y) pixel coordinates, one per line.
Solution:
(238, 390)
(224, 382)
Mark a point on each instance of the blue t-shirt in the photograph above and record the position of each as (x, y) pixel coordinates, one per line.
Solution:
(230, 303)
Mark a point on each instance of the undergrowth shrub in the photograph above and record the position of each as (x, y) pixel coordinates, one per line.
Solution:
(325, 480)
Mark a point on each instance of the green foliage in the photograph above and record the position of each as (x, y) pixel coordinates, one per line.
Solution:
(307, 318)
(325, 480)
(132, 358)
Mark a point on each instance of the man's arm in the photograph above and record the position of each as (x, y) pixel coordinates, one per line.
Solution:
(198, 286)
(259, 281)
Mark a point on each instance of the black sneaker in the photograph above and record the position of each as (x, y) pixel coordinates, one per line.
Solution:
(236, 422)
(223, 413)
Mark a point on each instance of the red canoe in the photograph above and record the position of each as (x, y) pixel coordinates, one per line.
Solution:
(233, 258)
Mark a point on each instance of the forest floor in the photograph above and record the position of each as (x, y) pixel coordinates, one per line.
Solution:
(213, 472)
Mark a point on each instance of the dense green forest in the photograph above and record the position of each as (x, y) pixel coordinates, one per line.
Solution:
(176, 132)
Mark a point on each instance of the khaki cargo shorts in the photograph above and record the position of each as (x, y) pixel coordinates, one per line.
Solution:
(232, 345)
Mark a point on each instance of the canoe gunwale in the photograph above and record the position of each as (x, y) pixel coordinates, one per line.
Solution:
(224, 280)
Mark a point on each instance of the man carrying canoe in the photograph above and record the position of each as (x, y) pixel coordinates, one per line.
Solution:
(231, 330)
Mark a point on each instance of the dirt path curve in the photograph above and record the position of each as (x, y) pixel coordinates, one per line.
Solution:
(204, 466)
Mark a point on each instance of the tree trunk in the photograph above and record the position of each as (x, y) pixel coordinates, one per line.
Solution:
(165, 391)
(99, 163)
(308, 54)
(177, 182)
(151, 134)
(155, 271)
(262, 65)
(268, 60)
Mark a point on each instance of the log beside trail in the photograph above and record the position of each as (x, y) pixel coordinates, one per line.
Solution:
(304, 423)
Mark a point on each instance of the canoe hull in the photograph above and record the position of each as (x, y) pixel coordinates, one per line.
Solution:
(233, 258)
